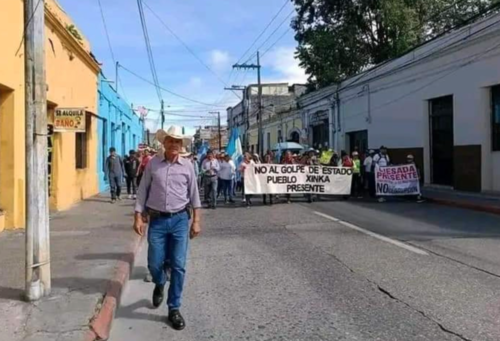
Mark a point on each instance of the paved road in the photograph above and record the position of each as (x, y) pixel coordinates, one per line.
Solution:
(331, 271)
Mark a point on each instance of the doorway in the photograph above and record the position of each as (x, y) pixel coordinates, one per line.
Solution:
(441, 140)
(320, 135)
(358, 141)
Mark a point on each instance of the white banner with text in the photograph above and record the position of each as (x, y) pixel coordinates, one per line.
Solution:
(397, 180)
(297, 179)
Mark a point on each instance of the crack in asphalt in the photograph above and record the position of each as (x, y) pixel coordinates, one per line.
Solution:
(421, 312)
(454, 260)
(386, 292)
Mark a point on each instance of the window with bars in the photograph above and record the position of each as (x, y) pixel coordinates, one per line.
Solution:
(495, 118)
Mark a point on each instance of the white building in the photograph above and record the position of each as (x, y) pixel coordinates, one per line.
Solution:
(440, 102)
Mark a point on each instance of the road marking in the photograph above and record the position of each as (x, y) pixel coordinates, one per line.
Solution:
(374, 235)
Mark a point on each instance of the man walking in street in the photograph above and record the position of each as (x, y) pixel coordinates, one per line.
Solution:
(114, 173)
(167, 188)
(211, 170)
(226, 175)
(131, 163)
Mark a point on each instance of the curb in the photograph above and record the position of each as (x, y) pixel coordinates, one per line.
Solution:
(466, 205)
(100, 325)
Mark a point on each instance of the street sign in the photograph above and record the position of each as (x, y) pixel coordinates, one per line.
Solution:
(69, 120)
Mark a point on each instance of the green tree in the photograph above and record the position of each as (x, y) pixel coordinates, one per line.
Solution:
(339, 38)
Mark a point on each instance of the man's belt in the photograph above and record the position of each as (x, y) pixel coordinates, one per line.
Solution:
(159, 214)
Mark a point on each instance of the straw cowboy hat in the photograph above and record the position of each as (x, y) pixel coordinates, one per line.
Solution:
(175, 132)
(184, 152)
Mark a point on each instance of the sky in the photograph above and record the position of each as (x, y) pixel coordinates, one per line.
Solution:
(218, 32)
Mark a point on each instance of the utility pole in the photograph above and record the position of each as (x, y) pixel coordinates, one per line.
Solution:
(244, 103)
(162, 113)
(38, 280)
(218, 124)
(261, 133)
(256, 66)
(220, 138)
(117, 65)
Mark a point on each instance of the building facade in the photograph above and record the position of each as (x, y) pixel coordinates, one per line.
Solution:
(118, 126)
(71, 77)
(237, 117)
(440, 102)
(210, 135)
(280, 119)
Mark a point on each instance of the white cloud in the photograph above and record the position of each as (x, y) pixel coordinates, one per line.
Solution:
(284, 66)
(195, 82)
(220, 60)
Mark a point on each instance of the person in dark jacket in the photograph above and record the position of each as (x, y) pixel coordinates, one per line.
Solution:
(131, 164)
(114, 173)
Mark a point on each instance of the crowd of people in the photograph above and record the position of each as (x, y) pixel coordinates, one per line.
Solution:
(221, 178)
(131, 167)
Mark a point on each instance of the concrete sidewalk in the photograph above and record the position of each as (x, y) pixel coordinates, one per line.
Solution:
(473, 201)
(92, 248)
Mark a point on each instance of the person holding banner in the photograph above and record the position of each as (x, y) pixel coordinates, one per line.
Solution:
(370, 173)
(247, 160)
(411, 161)
(268, 159)
(346, 163)
(356, 175)
(382, 160)
(311, 160)
(288, 160)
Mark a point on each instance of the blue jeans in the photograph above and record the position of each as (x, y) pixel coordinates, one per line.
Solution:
(211, 189)
(227, 189)
(115, 183)
(168, 240)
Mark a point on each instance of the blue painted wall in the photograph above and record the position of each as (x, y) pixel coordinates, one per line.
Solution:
(119, 127)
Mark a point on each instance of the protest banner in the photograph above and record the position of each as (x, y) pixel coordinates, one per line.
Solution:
(397, 180)
(297, 179)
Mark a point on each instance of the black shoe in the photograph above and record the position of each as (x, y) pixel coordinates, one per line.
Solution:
(158, 296)
(176, 320)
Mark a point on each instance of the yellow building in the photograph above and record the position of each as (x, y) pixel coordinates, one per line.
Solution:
(71, 77)
(279, 128)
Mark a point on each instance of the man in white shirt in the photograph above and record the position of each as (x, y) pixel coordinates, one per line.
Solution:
(211, 168)
(382, 160)
(369, 168)
(226, 174)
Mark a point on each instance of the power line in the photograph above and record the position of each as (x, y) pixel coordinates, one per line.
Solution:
(186, 46)
(474, 58)
(357, 81)
(457, 26)
(263, 31)
(149, 50)
(107, 36)
(26, 26)
(269, 37)
(276, 41)
(166, 90)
